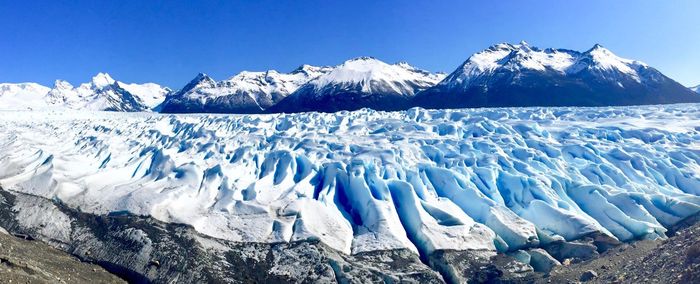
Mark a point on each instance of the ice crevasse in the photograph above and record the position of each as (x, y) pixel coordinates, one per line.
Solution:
(424, 180)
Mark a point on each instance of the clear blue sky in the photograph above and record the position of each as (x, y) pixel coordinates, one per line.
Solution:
(169, 42)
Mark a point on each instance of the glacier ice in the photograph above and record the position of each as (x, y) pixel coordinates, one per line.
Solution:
(424, 180)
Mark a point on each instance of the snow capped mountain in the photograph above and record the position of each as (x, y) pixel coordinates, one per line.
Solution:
(521, 75)
(246, 92)
(500, 76)
(360, 82)
(150, 94)
(22, 96)
(101, 93)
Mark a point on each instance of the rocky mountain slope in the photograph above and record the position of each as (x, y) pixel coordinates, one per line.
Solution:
(101, 93)
(247, 92)
(359, 83)
(504, 75)
(507, 75)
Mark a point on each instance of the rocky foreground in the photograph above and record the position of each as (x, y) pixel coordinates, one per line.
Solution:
(26, 261)
(674, 260)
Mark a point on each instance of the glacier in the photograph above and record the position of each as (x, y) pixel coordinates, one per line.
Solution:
(491, 179)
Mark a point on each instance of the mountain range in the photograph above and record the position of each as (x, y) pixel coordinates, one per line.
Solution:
(247, 92)
(101, 93)
(507, 75)
(503, 75)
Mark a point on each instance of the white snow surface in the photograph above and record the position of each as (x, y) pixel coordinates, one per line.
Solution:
(151, 94)
(517, 57)
(22, 96)
(486, 179)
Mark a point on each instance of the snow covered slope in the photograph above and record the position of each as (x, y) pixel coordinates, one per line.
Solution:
(521, 75)
(358, 83)
(247, 92)
(22, 96)
(494, 179)
(696, 89)
(101, 93)
(150, 94)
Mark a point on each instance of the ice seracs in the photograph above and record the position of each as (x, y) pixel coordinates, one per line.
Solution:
(246, 92)
(496, 179)
(523, 75)
(358, 83)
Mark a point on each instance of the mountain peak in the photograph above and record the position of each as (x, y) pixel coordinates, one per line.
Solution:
(304, 67)
(200, 78)
(362, 59)
(62, 84)
(405, 65)
(520, 75)
(102, 80)
(310, 69)
(501, 47)
(598, 49)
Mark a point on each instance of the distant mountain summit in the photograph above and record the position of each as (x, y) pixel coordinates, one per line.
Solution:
(507, 75)
(101, 93)
(246, 92)
(695, 89)
(358, 83)
(503, 75)
(22, 96)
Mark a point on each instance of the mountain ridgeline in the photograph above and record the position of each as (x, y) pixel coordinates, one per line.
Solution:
(102, 93)
(508, 75)
(503, 75)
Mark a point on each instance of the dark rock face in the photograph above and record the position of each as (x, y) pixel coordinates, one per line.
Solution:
(237, 102)
(338, 99)
(233, 103)
(508, 75)
(123, 101)
(527, 88)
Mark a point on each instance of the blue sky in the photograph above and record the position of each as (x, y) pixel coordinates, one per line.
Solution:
(169, 42)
